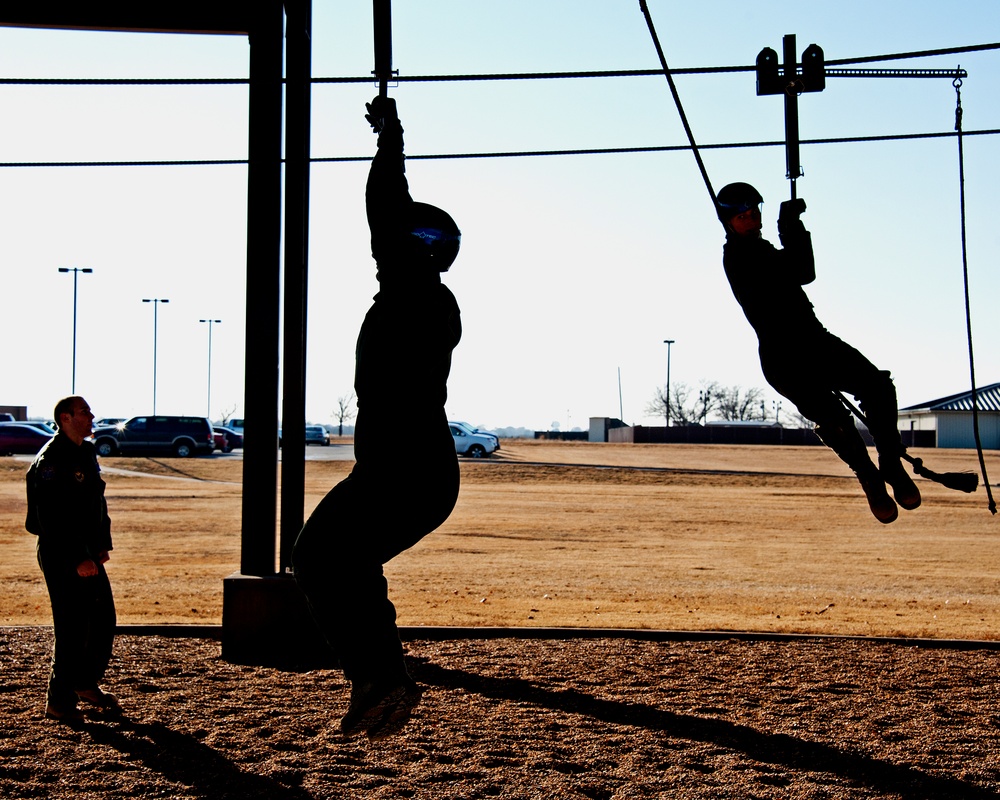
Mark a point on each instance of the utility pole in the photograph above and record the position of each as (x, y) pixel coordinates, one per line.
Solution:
(76, 271)
(668, 342)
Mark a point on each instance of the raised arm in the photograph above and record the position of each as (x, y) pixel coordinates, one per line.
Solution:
(387, 195)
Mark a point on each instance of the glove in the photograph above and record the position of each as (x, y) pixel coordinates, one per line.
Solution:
(381, 113)
(790, 210)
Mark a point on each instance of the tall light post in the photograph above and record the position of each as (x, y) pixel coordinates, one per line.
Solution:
(76, 271)
(156, 304)
(208, 406)
(668, 342)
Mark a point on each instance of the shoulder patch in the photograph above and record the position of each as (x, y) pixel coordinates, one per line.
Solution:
(47, 472)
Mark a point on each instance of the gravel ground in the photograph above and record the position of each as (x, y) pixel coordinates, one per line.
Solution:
(509, 718)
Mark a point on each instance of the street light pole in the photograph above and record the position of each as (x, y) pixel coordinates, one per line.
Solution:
(668, 342)
(156, 304)
(208, 406)
(75, 271)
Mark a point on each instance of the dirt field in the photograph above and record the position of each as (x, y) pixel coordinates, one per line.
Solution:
(550, 534)
(663, 537)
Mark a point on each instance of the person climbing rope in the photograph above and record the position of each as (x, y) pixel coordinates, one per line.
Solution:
(800, 358)
(402, 358)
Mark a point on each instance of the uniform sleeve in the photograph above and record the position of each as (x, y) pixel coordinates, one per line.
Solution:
(54, 515)
(387, 197)
(797, 253)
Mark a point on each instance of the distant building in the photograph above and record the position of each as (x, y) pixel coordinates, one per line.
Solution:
(947, 421)
(599, 427)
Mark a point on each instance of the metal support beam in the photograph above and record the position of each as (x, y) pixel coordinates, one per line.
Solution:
(260, 462)
(297, 151)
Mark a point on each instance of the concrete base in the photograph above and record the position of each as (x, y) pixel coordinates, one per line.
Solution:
(266, 622)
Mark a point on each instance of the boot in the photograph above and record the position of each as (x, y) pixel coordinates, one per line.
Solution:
(847, 443)
(903, 488)
(882, 506)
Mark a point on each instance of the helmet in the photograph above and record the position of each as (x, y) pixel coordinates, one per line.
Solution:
(735, 198)
(433, 236)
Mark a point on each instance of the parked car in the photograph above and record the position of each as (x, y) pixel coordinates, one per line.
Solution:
(473, 442)
(42, 425)
(21, 438)
(317, 434)
(181, 436)
(220, 440)
(234, 439)
(107, 422)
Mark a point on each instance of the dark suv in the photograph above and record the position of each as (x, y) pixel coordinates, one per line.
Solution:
(181, 436)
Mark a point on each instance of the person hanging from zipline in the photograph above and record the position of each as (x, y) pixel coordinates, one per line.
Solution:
(800, 358)
(402, 359)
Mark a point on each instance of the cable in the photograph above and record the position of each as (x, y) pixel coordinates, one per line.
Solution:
(968, 312)
(680, 108)
(507, 76)
(512, 154)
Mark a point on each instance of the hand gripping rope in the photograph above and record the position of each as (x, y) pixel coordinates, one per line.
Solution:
(961, 481)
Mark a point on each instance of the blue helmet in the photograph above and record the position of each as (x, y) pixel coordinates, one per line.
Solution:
(434, 237)
(735, 198)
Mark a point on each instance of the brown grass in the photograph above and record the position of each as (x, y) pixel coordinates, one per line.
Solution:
(550, 534)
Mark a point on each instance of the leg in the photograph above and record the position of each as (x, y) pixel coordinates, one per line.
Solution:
(101, 622)
(808, 387)
(876, 396)
(69, 634)
(363, 522)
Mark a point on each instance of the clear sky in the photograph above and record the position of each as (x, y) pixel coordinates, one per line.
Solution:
(573, 269)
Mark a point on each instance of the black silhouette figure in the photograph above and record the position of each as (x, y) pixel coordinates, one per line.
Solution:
(69, 515)
(800, 358)
(383, 507)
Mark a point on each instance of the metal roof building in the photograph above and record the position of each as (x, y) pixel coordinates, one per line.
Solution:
(947, 421)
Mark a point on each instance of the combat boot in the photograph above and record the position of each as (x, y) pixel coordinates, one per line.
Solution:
(882, 506)
(903, 488)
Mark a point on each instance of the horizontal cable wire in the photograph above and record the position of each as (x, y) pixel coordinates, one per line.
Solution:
(508, 76)
(518, 153)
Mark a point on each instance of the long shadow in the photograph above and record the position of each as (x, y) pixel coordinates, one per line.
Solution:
(186, 761)
(771, 748)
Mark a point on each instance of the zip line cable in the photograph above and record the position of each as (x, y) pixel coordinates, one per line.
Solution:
(512, 153)
(513, 76)
(518, 76)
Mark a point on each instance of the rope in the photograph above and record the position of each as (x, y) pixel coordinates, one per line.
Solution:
(677, 102)
(957, 83)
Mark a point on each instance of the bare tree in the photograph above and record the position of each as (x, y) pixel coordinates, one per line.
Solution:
(682, 412)
(735, 403)
(343, 412)
(227, 412)
(708, 400)
(799, 421)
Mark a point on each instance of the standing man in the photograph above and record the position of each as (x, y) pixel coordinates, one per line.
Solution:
(800, 358)
(69, 515)
(402, 362)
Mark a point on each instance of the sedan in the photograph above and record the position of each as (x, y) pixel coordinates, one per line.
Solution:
(17, 437)
(316, 434)
(234, 438)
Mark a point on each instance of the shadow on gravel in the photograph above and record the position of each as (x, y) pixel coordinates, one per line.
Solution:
(184, 760)
(770, 748)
